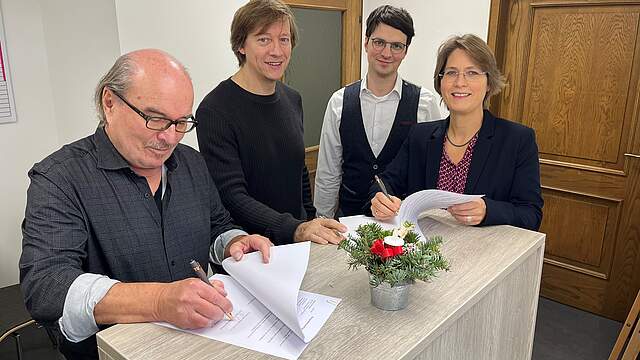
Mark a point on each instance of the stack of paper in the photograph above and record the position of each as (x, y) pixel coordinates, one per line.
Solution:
(271, 314)
(411, 209)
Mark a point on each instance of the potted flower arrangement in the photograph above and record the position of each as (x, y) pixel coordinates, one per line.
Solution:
(394, 260)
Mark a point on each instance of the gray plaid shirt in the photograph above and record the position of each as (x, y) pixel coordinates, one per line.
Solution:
(88, 212)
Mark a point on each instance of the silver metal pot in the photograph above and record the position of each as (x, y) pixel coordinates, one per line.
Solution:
(387, 297)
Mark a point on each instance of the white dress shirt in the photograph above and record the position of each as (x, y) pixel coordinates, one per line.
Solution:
(378, 114)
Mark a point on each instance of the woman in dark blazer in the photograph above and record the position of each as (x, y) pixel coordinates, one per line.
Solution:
(471, 151)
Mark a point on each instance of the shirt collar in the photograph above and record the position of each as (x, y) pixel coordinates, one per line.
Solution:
(109, 158)
(397, 88)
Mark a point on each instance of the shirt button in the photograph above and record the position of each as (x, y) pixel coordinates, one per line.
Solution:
(375, 166)
(173, 263)
(147, 195)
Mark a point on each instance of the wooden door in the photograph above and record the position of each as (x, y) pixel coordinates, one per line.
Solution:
(573, 72)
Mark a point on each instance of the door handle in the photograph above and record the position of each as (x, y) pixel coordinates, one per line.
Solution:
(632, 155)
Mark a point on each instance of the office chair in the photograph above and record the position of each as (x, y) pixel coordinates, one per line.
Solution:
(13, 316)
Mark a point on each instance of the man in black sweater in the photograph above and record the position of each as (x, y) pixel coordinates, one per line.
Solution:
(250, 133)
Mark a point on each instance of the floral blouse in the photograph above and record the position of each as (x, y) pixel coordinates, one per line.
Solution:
(453, 177)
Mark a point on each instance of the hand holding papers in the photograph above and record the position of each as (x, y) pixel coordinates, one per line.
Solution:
(411, 209)
(469, 213)
(277, 284)
(271, 314)
(417, 203)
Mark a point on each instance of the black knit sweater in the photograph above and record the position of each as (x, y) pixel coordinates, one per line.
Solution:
(254, 148)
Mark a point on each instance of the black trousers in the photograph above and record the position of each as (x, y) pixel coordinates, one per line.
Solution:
(86, 349)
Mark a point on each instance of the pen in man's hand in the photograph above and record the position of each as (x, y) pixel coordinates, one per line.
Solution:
(384, 188)
(198, 270)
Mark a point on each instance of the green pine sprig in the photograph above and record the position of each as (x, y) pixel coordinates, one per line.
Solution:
(421, 263)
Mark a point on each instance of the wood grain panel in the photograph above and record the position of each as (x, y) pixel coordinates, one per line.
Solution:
(497, 40)
(591, 168)
(565, 214)
(567, 109)
(573, 73)
(573, 288)
(319, 4)
(625, 273)
(583, 181)
(578, 269)
(311, 160)
(352, 41)
(488, 300)
(466, 339)
(516, 30)
(581, 231)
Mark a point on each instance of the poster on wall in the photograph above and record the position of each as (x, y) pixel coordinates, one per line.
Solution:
(7, 104)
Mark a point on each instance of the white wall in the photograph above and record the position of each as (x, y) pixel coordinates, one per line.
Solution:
(82, 43)
(57, 50)
(434, 22)
(196, 32)
(35, 134)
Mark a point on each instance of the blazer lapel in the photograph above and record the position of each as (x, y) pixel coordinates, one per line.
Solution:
(434, 154)
(481, 152)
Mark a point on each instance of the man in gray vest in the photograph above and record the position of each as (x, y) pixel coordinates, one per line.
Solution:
(366, 122)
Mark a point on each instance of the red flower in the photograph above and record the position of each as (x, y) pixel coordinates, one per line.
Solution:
(397, 250)
(385, 251)
(377, 247)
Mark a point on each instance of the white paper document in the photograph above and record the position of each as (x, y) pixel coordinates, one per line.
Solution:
(271, 314)
(411, 209)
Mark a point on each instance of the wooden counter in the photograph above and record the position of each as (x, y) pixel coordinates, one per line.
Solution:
(483, 308)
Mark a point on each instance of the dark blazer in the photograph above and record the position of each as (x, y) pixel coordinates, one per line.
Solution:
(505, 168)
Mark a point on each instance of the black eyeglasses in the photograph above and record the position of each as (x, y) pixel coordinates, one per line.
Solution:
(159, 123)
(395, 47)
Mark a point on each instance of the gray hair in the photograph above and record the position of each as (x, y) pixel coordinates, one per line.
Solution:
(118, 79)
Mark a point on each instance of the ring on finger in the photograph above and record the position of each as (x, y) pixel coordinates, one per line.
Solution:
(468, 219)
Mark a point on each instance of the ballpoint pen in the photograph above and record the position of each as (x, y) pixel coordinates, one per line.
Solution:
(384, 188)
(198, 270)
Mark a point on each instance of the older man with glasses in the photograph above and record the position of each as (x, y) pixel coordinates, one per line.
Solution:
(113, 220)
(366, 122)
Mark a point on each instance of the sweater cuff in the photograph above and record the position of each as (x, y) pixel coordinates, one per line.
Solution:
(284, 235)
(216, 252)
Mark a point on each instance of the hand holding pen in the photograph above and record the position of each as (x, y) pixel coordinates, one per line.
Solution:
(187, 303)
(384, 206)
(198, 270)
